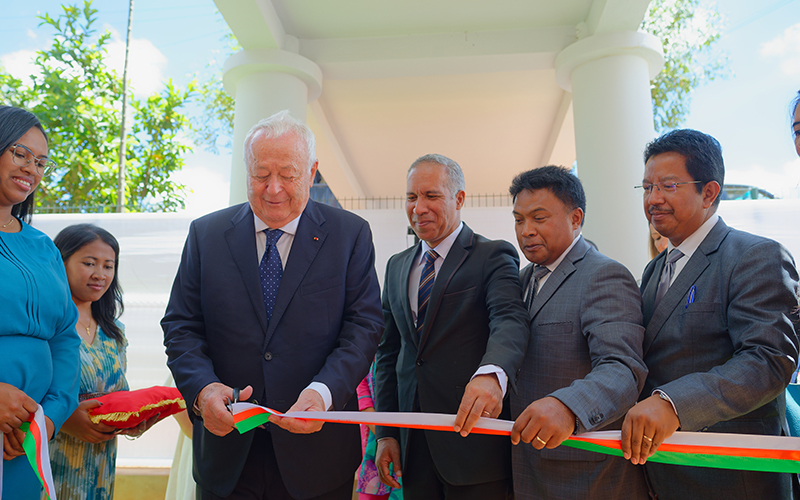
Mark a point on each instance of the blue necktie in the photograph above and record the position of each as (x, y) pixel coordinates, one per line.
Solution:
(271, 270)
(425, 285)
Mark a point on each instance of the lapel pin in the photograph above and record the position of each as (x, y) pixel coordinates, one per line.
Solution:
(316, 239)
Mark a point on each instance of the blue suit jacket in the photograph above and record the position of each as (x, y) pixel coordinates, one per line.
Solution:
(722, 345)
(325, 327)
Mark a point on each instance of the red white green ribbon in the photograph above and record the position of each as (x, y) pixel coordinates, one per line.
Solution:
(35, 446)
(698, 449)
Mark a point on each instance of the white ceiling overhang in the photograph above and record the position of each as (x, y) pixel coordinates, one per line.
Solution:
(472, 80)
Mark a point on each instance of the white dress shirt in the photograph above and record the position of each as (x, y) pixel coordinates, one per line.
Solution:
(284, 245)
(443, 248)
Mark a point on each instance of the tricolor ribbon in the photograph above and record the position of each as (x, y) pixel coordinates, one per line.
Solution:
(35, 446)
(698, 449)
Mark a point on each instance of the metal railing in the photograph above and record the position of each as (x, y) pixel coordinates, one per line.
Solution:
(320, 196)
(399, 202)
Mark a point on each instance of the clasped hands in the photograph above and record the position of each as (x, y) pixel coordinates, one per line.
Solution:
(214, 397)
(16, 408)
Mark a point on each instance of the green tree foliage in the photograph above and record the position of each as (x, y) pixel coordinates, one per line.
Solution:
(78, 100)
(688, 33)
(155, 149)
(214, 127)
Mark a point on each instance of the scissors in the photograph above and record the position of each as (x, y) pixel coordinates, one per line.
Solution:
(229, 403)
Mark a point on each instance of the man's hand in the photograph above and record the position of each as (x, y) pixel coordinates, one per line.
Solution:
(211, 401)
(388, 453)
(80, 426)
(309, 400)
(16, 407)
(646, 426)
(483, 397)
(546, 422)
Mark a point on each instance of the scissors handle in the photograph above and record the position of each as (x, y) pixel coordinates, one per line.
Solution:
(229, 403)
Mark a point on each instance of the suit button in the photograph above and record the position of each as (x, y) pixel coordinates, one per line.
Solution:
(268, 356)
(420, 362)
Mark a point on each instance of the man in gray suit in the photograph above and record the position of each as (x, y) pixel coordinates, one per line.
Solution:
(718, 308)
(583, 367)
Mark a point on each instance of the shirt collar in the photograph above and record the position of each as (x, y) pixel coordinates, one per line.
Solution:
(290, 228)
(444, 246)
(692, 242)
(553, 265)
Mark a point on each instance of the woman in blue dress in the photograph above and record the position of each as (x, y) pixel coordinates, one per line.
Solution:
(38, 342)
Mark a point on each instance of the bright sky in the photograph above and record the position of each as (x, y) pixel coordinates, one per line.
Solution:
(747, 112)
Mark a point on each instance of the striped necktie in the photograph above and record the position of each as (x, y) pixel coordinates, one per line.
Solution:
(426, 280)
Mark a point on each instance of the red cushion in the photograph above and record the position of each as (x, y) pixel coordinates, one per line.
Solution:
(125, 409)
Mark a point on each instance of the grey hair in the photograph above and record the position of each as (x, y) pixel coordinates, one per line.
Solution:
(455, 177)
(278, 125)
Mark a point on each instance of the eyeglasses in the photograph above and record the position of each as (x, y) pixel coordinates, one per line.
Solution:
(22, 157)
(664, 187)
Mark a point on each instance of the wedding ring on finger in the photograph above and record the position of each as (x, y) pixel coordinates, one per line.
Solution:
(544, 443)
(486, 413)
(648, 439)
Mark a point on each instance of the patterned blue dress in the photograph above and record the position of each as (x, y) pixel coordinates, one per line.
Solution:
(85, 471)
(38, 342)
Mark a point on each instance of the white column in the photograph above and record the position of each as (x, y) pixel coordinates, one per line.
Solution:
(609, 77)
(264, 82)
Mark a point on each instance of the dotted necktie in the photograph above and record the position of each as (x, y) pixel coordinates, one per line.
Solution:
(538, 273)
(666, 275)
(425, 285)
(271, 270)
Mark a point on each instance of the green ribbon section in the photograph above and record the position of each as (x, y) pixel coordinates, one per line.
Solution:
(31, 453)
(251, 423)
(700, 460)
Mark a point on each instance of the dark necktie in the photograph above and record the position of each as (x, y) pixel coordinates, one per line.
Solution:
(271, 270)
(425, 285)
(666, 275)
(539, 272)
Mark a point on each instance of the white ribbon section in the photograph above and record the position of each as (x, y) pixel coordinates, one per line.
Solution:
(494, 426)
(44, 454)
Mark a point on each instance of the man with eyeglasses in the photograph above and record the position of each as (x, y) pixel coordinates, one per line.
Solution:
(719, 342)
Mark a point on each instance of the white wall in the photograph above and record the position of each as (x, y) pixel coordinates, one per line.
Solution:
(150, 249)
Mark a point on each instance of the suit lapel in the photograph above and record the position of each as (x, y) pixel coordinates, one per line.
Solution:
(455, 258)
(680, 287)
(651, 287)
(405, 274)
(307, 241)
(559, 275)
(241, 240)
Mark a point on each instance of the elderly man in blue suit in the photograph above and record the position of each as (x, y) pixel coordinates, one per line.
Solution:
(279, 297)
(720, 343)
(583, 367)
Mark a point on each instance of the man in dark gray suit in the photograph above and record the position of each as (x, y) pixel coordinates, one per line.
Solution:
(583, 368)
(455, 336)
(718, 307)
